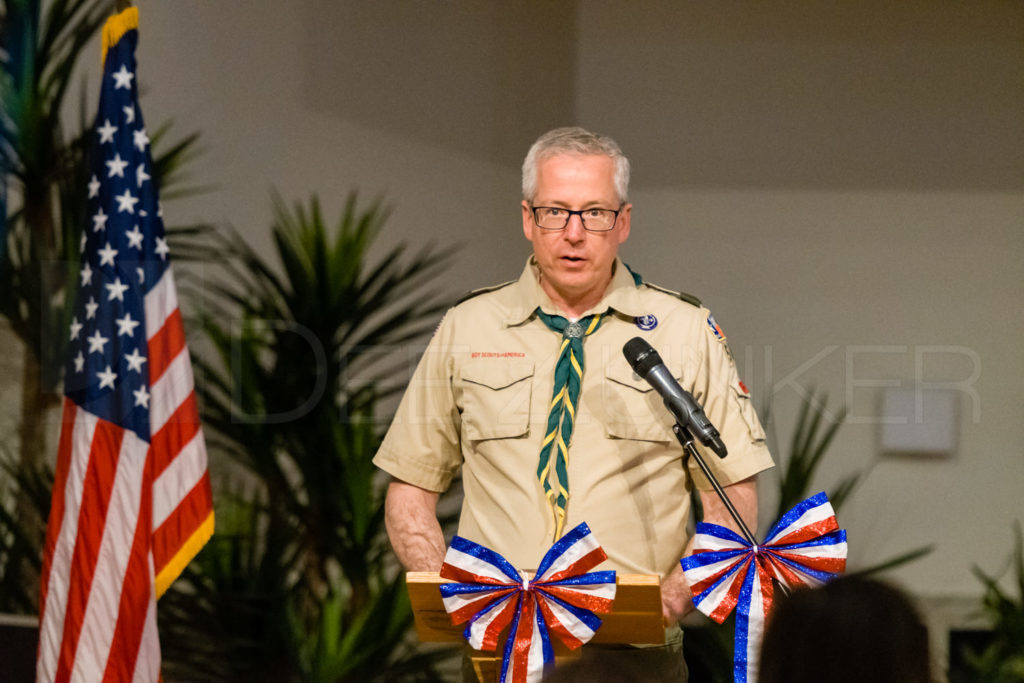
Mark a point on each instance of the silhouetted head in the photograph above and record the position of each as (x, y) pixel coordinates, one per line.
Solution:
(850, 630)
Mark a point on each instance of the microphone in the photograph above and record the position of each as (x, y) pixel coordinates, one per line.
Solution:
(646, 362)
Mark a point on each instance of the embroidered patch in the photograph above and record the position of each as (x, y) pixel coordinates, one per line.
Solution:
(713, 324)
(498, 354)
(646, 322)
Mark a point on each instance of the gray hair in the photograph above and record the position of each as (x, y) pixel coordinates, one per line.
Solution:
(574, 140)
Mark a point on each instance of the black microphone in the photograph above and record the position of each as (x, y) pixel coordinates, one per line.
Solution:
(646, 362)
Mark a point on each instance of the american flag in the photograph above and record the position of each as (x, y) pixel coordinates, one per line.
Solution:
(131, 498)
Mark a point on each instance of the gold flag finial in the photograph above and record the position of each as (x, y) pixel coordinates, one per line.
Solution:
(125, 20)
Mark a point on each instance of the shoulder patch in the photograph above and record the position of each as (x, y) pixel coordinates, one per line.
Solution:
(688, 298)
(484, 290)
(715, 328)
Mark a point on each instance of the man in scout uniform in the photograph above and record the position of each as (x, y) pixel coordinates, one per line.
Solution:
(525, 388)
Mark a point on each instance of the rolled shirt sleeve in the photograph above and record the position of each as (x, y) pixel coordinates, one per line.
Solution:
(422, 445)
(727, 403)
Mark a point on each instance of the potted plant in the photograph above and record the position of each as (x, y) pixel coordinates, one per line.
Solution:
(1002, 659)
(298, 583)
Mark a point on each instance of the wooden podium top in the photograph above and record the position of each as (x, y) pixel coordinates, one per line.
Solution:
(635, 616)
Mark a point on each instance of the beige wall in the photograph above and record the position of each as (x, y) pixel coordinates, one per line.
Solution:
(844, 185)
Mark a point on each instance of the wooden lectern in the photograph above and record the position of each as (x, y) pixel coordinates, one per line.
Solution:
(635, 618)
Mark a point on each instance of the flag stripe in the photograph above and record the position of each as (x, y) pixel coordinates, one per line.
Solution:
(60, 480)
(160, 302)
(96, 488)
(52, 616)
(185, 554)
(173, 388)
(178, 478)
(173, 535)
(136, 589)
(147, 663)
(113, 556)
(166, 345)
(180, 429)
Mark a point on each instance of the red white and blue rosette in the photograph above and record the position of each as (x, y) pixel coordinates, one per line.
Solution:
(561, 598)
(804, 548)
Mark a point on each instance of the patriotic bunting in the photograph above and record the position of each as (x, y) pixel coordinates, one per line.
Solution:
(561, 598)
(806, 547)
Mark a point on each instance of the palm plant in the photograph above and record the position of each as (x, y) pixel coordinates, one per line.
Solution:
(812, 437)
(300, 361)
(45, 166)
(1002, 660)
(226, 618)
(20, 547)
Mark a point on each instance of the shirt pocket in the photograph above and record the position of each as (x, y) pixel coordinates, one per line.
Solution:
(496, 398)
(633, 410)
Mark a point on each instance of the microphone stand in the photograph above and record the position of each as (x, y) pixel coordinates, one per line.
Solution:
(686, 440)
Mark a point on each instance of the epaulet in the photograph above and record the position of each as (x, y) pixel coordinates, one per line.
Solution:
(484, 290)
(688, 298)
(640, 282)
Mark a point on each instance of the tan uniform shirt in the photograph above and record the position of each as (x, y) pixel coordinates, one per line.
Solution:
(479, 400)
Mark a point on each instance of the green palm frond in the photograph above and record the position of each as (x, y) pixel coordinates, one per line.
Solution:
(20, 551)
(1002, 660)
(343, 646)
(812, 437)
(895, 561)
(300, 346)
(225, 618)
(324, 300)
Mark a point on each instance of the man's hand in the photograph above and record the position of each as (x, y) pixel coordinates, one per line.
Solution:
(410, 515)
(676, 600)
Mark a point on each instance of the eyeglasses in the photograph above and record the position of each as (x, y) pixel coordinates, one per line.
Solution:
(556, 218)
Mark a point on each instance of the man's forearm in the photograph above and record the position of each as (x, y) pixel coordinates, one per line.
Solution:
(676, 600)
(743, 495)
(410, 515)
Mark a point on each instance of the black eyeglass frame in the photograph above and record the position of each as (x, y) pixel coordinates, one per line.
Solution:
(583, 221)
